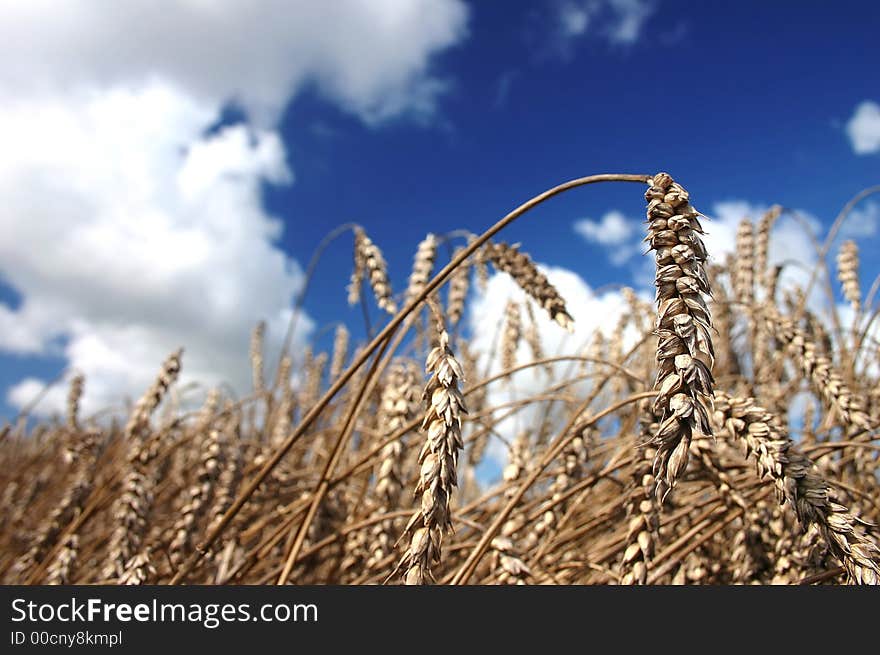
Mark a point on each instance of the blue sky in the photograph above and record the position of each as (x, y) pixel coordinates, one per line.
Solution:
(466, 112)
(737, 102)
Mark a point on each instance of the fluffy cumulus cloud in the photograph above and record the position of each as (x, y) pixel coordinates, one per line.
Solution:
(370, 56)
(129, 227)
(863, 128)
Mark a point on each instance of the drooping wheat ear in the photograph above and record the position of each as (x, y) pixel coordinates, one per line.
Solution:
(74, 395)
(848, 273)
(817, 368)
(138, 570)
(397, 407)
(765, 440)
(744, 264)
(257, 338)
(525, 273)
(684, 350)
(131, 508)
(139, 420)
(340, 351)
(368, 258)
(423, 266)
(762, 242)
(438, 460)
(510, 337)
(459, 284)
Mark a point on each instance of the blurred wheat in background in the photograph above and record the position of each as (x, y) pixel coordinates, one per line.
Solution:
(725, 434)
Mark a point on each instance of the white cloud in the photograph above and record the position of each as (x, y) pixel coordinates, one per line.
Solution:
(863, 221)
(574, 18)
(619, 22)
(612, 230)
(128, 228)
(863, 128)
(631, 16)
(615, 231)
(370, 56)
(142, 236)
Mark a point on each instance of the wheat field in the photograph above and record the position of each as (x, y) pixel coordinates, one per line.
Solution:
(686, 454)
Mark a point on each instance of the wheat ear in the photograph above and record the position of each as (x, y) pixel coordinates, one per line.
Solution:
(684, 350)
(438, 460)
